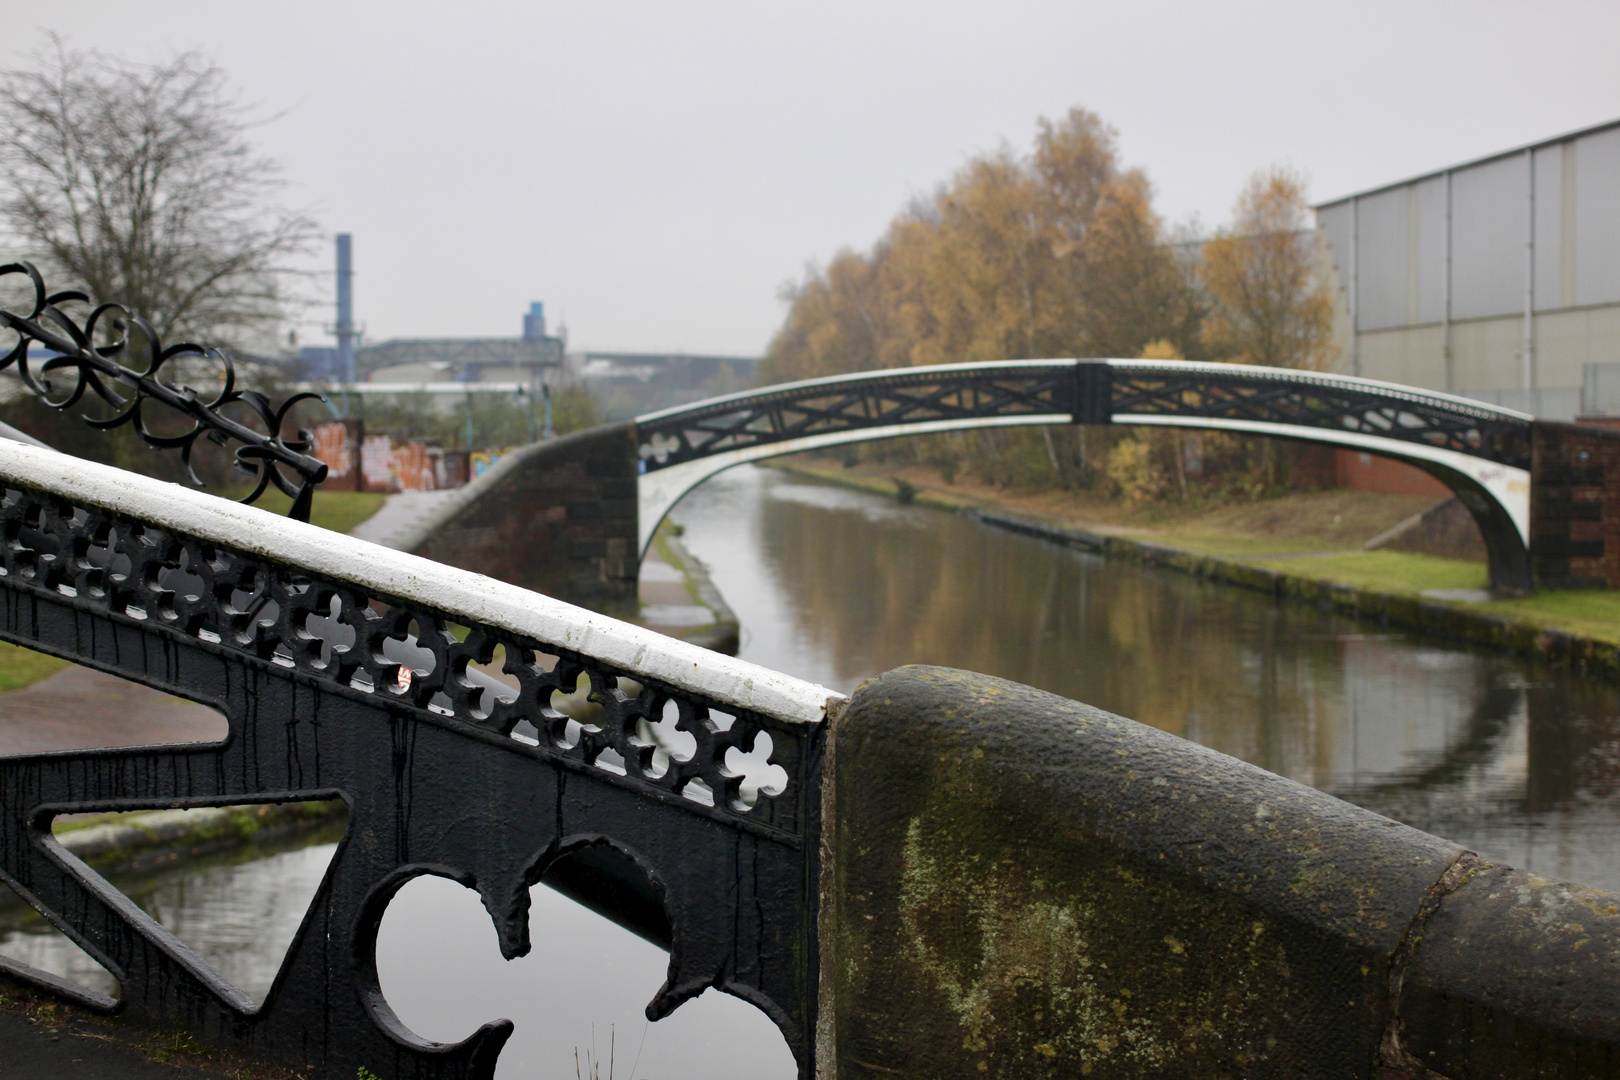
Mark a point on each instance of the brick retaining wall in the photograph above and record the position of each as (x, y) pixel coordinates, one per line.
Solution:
(558, 517)
(1575, 506)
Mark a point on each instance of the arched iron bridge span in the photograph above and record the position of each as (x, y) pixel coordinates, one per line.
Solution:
(1480, 452)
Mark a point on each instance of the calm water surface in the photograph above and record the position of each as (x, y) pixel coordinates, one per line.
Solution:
(581, 990)
(1517, 760)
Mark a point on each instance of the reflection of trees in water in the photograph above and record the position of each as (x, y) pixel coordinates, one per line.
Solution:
(877, 587)
(1417, 731)
(1525, 749)
(1461, 771)
(1573, 742)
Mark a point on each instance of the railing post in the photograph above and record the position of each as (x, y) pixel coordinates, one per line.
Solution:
(1093, 392)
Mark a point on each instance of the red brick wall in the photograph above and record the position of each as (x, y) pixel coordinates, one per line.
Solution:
(1312, 466)
(1370, 472)
(1575, 506)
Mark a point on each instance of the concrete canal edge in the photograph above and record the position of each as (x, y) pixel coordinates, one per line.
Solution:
(1396, 609)
(724, 634)
(144, 838)
(1020, 885)
(1441, 619)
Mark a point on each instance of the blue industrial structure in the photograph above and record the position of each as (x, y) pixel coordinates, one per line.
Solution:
(520, 359)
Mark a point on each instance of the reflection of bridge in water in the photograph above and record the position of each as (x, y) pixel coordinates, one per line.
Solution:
(1481, 452)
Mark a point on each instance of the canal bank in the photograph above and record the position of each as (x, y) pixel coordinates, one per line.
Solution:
(1430, 595)
(678, 598)
(144, 839)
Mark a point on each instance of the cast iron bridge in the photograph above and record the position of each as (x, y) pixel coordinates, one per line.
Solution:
(1482, 453)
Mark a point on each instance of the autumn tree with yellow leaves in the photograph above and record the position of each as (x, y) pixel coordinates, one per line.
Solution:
(1053, 253)
(1056, 253)
(1269, 306)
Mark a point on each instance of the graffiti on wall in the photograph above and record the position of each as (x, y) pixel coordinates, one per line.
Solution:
(390, 465)
(336, 444)
(479, 461)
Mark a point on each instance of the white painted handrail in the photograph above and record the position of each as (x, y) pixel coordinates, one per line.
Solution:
(632, 649)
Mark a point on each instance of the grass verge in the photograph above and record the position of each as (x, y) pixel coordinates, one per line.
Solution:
(1593, 613)
(1387, 571)
(339, 511)
(20, 667)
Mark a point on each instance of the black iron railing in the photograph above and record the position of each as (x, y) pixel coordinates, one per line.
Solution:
(79, 365)
(1087, 391)
(475, 730)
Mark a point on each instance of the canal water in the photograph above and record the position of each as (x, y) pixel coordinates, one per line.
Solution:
(1518, 760)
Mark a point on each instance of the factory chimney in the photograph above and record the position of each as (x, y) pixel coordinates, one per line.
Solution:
(345, 308)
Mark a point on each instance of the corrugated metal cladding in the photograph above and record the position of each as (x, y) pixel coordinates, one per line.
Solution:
(1597, 218)
(1558, 204)
(1489, 222)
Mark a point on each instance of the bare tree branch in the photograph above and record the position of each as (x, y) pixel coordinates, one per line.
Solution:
(138, 182)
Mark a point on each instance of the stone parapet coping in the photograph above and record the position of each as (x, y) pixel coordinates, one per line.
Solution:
(1022, 885)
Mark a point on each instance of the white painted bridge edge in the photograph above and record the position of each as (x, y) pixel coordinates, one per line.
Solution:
(659, 491)
(415, 580)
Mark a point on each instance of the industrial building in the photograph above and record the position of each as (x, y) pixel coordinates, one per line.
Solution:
(419, 360)
(1497, 279)
(416, 360)
(624, 384)
(629, 384)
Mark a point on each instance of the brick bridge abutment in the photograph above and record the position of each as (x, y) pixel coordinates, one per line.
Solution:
(558, 517)
(1575, 506)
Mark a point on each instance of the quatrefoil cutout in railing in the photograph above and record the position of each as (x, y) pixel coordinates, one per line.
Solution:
(557, 702)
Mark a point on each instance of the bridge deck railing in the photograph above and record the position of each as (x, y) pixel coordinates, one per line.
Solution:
(1481, 452)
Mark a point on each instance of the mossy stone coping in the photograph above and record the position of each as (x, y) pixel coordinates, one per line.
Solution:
(1019, 885)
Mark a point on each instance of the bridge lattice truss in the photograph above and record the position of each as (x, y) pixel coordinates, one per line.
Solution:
(1092, 392)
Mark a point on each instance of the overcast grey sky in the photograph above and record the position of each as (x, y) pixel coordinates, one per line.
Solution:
(655, 171)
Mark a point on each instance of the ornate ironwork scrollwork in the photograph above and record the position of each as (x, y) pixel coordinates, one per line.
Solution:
(494, 756)
(1308, 400)
(1091, 392)
(267, 455)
